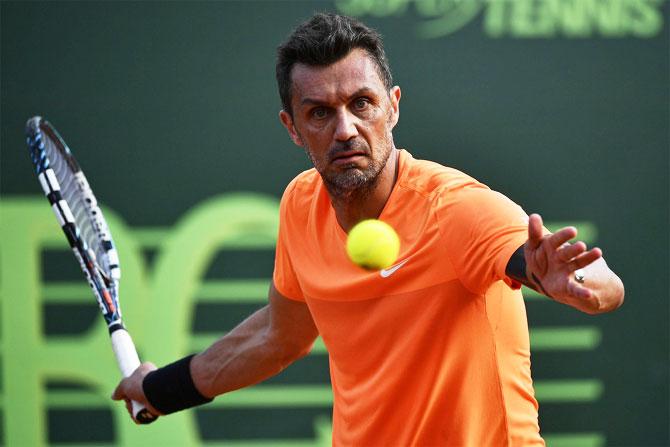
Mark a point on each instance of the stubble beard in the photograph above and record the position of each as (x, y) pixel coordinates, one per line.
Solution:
(352, 181)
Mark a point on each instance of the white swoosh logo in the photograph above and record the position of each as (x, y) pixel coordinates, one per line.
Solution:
(385, 273)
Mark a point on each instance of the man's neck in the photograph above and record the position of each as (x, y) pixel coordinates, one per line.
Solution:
(367, 204)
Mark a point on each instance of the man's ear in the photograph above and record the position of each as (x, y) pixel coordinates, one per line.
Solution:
(395, 105)
(287, 121)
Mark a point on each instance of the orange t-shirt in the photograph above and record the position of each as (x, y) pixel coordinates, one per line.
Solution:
(437, 353)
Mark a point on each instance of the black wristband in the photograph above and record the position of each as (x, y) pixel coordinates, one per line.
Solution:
(516, 266)
(516, 269)
(171, 387)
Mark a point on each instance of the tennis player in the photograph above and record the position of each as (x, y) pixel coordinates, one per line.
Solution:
(433, 351)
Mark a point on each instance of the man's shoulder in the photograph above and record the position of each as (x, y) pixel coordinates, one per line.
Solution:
(430, 178)
(301, 189)
(458, 197)
(304, 183)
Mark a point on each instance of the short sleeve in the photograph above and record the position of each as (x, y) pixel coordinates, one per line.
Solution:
(481, 230)
(284, 277)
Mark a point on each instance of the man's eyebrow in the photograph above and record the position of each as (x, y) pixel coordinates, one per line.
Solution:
(360, 92)
(363, 91)
(311, 101)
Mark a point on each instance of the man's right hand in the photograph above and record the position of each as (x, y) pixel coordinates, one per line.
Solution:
(130, 388)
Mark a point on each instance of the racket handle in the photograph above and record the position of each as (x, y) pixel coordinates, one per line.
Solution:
(128, 361)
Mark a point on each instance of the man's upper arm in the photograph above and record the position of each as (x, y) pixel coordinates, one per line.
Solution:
(481, 228)
(291, 322)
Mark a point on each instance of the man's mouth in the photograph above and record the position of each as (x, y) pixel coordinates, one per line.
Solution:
(347, 157)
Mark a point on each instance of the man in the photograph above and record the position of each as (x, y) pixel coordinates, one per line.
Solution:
(436, 353)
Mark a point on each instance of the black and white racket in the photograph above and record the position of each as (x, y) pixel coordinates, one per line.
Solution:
(86, 230)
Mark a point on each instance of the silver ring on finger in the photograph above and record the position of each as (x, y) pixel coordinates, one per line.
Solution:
(579, 276)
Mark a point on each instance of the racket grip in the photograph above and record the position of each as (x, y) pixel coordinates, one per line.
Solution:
(128, 361)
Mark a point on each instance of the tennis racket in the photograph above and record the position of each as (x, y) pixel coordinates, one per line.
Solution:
(87, 232)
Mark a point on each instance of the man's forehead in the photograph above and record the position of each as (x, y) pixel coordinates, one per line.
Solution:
(355, 71)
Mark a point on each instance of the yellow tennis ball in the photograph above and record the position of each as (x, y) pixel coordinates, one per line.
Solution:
(373, 244)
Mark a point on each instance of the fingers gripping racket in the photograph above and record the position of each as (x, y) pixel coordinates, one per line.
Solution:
(86, 230)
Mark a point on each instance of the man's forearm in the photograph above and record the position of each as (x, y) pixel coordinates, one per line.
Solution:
(259, 347)
(246, 355)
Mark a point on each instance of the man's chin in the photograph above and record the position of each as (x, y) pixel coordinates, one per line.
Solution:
(348, 182)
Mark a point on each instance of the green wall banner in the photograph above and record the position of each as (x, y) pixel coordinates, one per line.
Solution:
(524, 19)
(161, 305)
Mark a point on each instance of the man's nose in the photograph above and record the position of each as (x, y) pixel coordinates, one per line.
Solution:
(345, 126)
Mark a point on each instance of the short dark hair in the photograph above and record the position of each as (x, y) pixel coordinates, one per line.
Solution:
(323, 40)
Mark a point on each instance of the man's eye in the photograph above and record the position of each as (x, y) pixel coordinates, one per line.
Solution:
(319, 113)
(361, 103)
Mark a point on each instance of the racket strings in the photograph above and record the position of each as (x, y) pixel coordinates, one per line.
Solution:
(72, 193)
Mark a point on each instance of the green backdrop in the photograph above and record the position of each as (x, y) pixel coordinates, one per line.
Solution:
(171, 108)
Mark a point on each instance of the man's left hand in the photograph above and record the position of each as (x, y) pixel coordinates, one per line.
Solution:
(551, 262)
